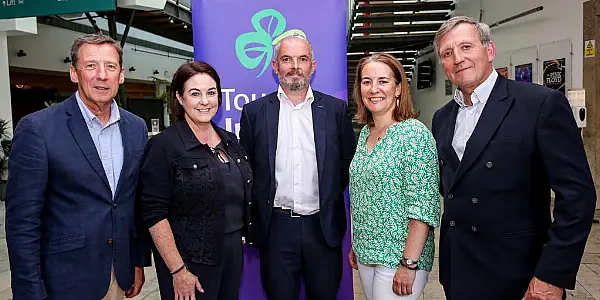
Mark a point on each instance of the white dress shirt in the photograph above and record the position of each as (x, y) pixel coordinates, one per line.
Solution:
(468, 116)
(296, 174)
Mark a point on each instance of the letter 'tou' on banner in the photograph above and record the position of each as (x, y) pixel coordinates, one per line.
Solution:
(237, 37)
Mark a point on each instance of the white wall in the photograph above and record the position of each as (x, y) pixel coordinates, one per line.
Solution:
(48, 49)
(427, 101)
(559, 20)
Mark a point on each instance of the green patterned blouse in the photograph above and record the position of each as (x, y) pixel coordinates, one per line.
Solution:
(398, 180)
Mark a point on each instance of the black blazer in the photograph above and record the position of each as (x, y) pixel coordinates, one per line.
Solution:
(335, 145)
(496, 232)
(180, 181)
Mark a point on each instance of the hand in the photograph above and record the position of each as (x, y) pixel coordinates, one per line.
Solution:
(138, 282)
(352, 260)
(185, 284)
(539, 290)
(403, 281)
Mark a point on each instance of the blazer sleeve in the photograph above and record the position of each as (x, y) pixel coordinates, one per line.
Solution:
(156, 182)
(561, 151)
(434, 132)
(347, 146)
(25, 197)
(142, 239)
(246, 140)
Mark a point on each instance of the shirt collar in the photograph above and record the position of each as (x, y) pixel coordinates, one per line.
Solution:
(90, 118)
(283, 97)
(189, 138)
(480, 94)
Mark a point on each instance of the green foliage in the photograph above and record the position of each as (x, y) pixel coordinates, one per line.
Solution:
(122, 96)
(5, 143)
(50, 103)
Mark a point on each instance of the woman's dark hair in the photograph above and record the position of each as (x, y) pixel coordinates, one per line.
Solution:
(183, 74)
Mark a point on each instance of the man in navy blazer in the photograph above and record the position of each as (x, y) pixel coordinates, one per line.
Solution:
(300, 143)
(502, 146)
(73, 172)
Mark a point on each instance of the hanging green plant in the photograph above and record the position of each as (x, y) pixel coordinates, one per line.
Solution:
(122, 96)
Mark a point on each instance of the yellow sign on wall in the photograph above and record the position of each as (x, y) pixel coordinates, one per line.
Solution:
(590, 48)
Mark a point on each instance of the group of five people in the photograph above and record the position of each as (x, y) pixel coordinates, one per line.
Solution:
(89, 198)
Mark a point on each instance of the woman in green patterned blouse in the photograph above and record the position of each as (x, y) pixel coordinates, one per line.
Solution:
(394, 180)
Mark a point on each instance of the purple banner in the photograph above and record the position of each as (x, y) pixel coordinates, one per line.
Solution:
(237, 37)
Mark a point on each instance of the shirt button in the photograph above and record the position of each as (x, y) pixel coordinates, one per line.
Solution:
(115, 205)
(239, 160)
(489, 164)
(109, 242)
(248, 181)
(450, 196)
(195, 166)
(250, 224)
(474, 228)
(452, 224)
(475, 200)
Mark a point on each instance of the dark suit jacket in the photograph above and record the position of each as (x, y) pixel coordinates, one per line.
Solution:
(496, 232)
(63, 229)
(335, 144)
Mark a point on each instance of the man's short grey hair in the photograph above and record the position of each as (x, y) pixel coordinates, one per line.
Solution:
(293, 36)
(483, 30)
(94, 39)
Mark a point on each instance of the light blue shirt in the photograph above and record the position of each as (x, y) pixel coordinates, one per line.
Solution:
(107, 140)
(468, 116)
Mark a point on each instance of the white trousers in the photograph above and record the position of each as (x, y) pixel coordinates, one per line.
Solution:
(114, 291)
(377, 283)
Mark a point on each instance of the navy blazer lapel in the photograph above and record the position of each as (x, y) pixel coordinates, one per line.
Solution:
(125, 137)
(491, 117)
(450, 150)
(319, 114)
(80, 132)
(272, 120)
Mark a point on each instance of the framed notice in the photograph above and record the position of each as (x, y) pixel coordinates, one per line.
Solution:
(448, 87)
(554, 74)
(503, 71)
(523, 72)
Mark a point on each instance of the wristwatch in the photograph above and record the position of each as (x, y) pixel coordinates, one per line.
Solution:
(409, 263)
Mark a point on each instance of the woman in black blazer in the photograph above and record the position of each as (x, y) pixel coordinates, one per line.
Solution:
(195, 187)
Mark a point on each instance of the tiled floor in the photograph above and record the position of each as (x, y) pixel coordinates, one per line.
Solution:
(587, 288)
(588, 278)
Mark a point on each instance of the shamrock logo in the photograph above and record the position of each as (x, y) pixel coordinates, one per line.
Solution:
(252, 48)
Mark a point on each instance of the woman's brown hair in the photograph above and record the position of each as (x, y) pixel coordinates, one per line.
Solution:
(403, 109)
(185, 72)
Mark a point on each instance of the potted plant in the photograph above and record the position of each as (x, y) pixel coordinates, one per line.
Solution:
(5, 142)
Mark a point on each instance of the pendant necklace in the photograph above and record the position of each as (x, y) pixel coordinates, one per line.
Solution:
(379, 137)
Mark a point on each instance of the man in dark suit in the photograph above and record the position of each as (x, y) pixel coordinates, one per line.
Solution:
(300, 144)
(502, 146)
(73, 172)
